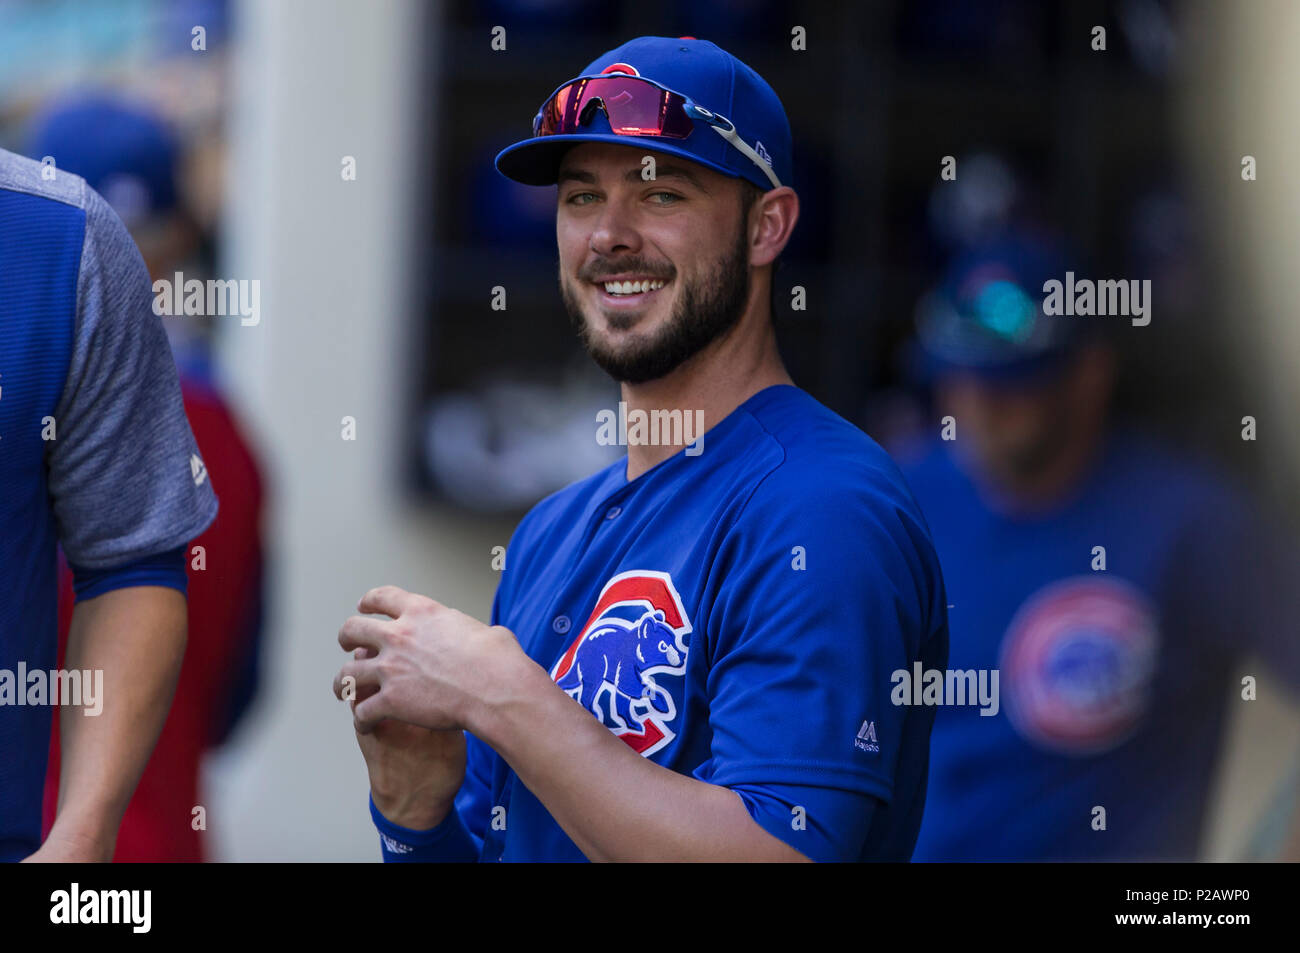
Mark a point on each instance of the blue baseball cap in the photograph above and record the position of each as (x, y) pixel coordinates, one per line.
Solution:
(986, 317)
(122, 148)
(705, 74)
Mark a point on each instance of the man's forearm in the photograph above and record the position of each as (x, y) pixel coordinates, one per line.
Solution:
(136, 637)
(613, 803)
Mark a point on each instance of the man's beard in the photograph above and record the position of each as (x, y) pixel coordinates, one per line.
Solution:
(705, 311)
(1027, 461)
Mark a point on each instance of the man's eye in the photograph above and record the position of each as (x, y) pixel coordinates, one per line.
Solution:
(573, 199)
(668, 195)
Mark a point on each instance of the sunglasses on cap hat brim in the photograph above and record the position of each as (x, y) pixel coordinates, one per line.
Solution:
(635, 106)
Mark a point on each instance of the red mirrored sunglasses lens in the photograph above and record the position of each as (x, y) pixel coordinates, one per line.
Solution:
(633, 107)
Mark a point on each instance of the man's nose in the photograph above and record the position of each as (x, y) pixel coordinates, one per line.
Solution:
(614, 231)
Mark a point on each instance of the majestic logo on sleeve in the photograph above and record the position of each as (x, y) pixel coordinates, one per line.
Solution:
(635, 636)
(1077, 663)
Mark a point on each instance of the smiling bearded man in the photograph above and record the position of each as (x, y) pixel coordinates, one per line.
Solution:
(690, 655)
(707, 309)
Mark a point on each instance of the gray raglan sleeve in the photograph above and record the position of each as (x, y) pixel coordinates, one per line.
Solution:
(125, 475)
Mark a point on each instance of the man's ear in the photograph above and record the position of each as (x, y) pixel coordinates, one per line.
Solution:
(774, 217)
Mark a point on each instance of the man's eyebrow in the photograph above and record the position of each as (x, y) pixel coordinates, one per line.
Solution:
(663, 170)
(634, 175)
(576, 175)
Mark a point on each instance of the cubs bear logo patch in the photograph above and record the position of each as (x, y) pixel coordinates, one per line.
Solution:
(1077, 663)
(621, 664)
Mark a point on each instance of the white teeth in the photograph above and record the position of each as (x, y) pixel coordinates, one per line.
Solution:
(632, 287)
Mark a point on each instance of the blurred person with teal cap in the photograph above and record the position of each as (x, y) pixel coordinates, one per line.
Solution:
(1110, 582)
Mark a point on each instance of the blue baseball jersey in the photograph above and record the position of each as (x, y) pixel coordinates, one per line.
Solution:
(735, 616)
(95, 450)
(1114, 682)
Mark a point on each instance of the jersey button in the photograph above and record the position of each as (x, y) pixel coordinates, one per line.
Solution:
(560, 624)
(613, 512)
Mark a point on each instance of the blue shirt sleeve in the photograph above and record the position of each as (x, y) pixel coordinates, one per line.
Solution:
(823, 594)
(824, 824)
(447, 843)
(162, 569)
